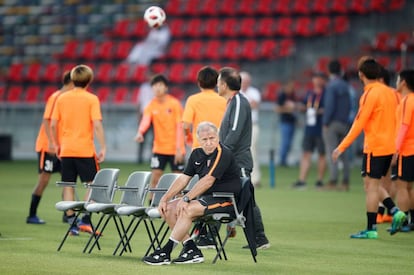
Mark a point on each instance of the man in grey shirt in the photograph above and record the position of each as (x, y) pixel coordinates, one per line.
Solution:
(337, 104)
(236, 134)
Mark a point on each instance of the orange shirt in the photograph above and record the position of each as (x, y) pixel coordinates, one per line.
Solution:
(207, 105)
(165, 117)
(405, 115)
(75, 111)
(377, 118)
(42, 142)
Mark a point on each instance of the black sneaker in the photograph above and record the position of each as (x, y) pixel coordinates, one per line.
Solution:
(157, 258)
(299, 185)
(189, 256)
(205, 242)
(319, 184)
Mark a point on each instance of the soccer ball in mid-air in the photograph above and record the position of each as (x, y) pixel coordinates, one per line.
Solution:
(154, 16)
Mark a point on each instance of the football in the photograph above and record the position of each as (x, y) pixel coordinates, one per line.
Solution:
(154, 16)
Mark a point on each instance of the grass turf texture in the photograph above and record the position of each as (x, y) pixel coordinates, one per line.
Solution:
(309, 232)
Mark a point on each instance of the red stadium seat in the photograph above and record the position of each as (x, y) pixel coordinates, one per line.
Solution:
(301, 7)
(103, 94)
(246, 7)
(88, 49)
(381, 42)
(303, 26)
(341, 24)
(104, 73)
(195, 25)
(190, 8)
(267, 49)
(229, 27)
(51, 73)
(358, 6)
(248, 50)
(192, 72)
(176, 49)
(173, 7)
(177, 27)
(139, 29)
(396, 4)
(282, 7)
(194, 49)
(212, 27)
(121, 95)
(212, 49)
(378, 5)
(247, 27)
(284, 26)
(399, 39)
(385, 61)
(270, 91)
(14, 93)
(121, 29)
(320, 6)
(228, 7)
(176, 72)
(70, 50)
(15, 72)
(122, 49)
(2, 93)
(208, 8)
(139, 74)
(159, 68)
(32, 94)
(322, 25)
(230, 49)
(105, 50)
(264, 7)
(122, 73)
(266, 26)
(286, 47)
(339, 6)
(33, 72)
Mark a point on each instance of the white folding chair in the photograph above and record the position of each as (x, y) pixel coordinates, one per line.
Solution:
(102, 190)
(134, 192)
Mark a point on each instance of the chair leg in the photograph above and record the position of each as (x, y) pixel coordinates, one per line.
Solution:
(128, 238)
(220, 246)
(124, 236)
(93, 235)
(156, 235)
(67, 232)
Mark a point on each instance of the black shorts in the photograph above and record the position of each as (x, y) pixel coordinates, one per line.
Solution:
(48, 163)
(404, 170)
(375, 167)
(309, 144)
(85, 168)
(159, 161)
(216, 205)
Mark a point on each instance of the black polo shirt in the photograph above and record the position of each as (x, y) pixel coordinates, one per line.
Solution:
(220, 164)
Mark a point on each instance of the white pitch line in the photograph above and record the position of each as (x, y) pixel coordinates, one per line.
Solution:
(16, 239)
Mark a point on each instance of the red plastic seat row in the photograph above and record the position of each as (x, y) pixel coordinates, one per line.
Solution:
(232, 49)
(280, 7)
(128, 29)
(252, 27)
(31, 94)
(385, 41)
(94, 50)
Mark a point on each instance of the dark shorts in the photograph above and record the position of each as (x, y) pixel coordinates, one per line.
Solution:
(159, 161)
(216, 205)
(404, 170)
(310, 143)
(48, 163)
(85, 168)
(375, 167)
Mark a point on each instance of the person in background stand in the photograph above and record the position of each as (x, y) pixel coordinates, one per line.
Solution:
(286, 108)
(47, 159)
(236, 134)
(312, 139)
(254, 97)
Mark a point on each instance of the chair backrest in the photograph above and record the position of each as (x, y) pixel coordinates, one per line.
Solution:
(136, 188)
(103, 185)
(164, 183)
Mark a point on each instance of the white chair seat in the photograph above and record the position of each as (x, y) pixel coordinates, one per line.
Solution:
(66, 205)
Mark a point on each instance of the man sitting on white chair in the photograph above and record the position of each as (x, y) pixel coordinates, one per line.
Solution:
(218, 172)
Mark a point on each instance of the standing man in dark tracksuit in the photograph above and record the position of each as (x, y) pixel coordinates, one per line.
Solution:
(236, 134)
(336, 124)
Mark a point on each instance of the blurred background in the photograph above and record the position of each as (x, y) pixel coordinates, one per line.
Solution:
(277, 41)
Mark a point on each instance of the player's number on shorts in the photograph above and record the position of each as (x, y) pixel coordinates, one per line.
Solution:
(49, 165)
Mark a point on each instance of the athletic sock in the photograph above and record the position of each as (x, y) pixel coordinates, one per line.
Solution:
(388, 202)
(381, 210)
(372, 220)
(189, 243)
(34, 204)
(169, 246)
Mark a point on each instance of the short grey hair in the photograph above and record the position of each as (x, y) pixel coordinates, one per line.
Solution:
(205, 126)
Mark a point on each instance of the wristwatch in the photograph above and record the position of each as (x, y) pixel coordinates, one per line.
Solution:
(186, 199)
